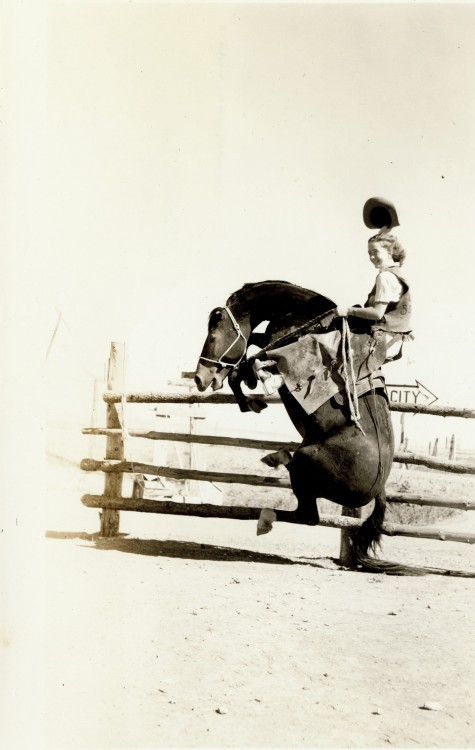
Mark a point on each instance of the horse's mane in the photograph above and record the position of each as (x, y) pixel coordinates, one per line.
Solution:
(277, 287)
(286, 306)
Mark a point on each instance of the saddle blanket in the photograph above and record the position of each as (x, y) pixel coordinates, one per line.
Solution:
(312, 368)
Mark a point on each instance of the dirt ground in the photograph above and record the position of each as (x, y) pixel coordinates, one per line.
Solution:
(187, 632)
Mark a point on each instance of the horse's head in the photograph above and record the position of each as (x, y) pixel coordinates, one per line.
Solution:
(223, 350)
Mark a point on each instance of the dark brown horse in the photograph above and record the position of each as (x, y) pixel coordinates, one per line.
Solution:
(339, 460)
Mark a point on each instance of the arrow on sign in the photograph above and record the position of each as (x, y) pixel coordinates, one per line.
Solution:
(411, 394)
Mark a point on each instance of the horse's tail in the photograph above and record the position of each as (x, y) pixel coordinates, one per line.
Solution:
(368, 537)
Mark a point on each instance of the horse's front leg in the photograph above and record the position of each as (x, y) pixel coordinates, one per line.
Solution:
(244, 402)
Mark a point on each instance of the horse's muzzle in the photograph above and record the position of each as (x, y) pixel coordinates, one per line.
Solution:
(199, 384)
(208, 378)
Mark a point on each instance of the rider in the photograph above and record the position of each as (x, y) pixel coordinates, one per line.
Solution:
(389, 302)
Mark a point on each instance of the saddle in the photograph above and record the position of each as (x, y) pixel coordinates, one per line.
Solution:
(314, 369)
(370, 383)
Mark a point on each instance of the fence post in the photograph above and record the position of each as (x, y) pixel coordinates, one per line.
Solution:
(114, 445)
(452, 448)
(346, 549)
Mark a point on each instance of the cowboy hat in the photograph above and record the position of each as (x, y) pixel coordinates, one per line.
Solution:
(379, 213)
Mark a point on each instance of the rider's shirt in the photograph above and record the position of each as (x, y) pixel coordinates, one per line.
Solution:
(392, 289)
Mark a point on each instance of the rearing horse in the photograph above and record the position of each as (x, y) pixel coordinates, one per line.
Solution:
(337, 459)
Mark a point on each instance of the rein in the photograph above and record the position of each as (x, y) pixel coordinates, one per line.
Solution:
(309, 324)
(239, 334)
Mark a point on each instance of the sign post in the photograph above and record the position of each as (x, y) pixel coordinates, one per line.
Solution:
(415, 393)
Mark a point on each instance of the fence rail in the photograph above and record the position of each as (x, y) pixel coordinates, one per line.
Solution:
(115, 465)
(257, 480)
(152, 397)
(268, 445)
(245, 513)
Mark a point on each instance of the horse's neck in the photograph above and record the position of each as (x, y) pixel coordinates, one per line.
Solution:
(281, 303)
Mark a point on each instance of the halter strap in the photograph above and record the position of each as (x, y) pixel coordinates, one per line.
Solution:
(239, 334)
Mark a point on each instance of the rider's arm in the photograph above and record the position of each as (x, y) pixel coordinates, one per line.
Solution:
(388, 289)
(375, 312)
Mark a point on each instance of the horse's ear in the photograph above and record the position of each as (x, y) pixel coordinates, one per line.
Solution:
(215, 317)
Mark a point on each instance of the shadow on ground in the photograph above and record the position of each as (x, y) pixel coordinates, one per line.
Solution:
(187, 550)
(212, 552)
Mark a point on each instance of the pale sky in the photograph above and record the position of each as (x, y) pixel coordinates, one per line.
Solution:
(161, 155)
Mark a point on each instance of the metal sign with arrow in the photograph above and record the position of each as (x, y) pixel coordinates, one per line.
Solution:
(411, 394)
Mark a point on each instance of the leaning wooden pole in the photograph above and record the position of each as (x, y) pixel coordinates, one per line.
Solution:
(115, 445)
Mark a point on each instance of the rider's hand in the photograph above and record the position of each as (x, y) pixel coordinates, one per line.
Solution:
(270, 382)
(342, 311)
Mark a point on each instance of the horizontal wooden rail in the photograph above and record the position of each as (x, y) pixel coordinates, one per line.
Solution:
(185, 437)
(203, 510)
(151, 397)
(131, 467)
(434, 502)
(269, 445)
(434, 463)
(436, 411)
(245, 514)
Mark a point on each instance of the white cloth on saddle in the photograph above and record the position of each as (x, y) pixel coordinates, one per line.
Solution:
(312, 367)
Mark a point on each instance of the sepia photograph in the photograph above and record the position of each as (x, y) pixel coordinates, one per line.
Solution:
(237, 391)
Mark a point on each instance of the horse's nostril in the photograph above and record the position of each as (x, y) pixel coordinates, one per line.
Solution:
(199, 383)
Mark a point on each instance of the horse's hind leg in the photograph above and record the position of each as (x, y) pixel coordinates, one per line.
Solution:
(302, 478)
(302, 471)
(299, 467)
(282, 457)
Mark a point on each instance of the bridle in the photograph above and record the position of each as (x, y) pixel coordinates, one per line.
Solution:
(239, 335)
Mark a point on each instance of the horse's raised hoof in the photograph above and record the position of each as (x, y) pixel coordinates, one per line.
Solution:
(256, 405)
(266, 519)
(279, 458)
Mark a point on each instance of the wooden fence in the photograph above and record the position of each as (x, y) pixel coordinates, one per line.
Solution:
(115, 464)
